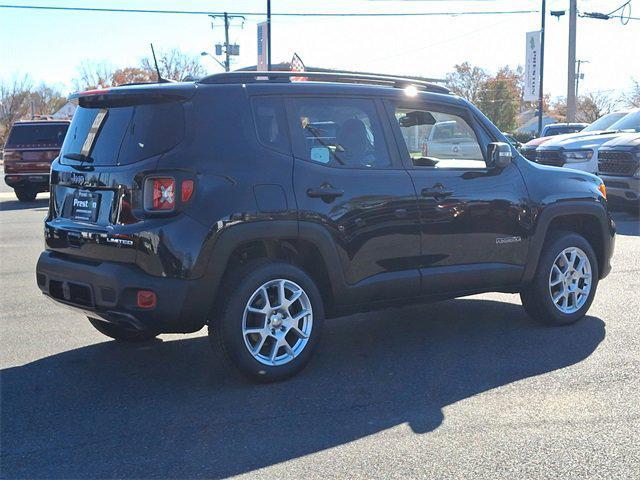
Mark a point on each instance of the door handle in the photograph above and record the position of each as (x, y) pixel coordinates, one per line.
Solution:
(324, 192)
(437, 191)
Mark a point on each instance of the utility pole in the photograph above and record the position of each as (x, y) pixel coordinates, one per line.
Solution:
(571, 65)
(228, 49)
(227, 61)
(268, 35)
(541, 92)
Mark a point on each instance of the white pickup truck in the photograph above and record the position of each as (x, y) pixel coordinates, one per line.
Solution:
(453, 140)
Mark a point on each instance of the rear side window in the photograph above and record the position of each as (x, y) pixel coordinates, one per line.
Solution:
(37, 135)
(124, 135)
(340, 132)
(270, 119)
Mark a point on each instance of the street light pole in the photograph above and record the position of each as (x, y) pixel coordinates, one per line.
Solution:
(541, 92)
(571, 64)
(268, 35)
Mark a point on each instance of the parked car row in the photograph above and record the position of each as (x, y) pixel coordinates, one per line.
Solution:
(609, 147)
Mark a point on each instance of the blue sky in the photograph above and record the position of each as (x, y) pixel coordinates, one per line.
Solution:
(50, 45)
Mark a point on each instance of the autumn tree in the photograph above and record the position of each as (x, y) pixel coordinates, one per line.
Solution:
(500, 98)
(132, 75)
(467, 81)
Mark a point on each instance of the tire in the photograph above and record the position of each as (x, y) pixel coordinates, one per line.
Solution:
(122, 334)
(573, 302)
(25, 194)
(272, 323)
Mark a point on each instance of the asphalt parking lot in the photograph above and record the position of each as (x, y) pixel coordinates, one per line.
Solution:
(469, 388)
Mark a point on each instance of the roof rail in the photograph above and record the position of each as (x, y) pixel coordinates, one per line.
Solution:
(341, 77)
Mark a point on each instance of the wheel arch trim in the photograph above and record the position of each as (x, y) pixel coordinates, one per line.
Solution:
(567, 208)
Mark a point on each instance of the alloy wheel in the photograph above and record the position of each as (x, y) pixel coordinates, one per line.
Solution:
(570, 280)
(277, 322)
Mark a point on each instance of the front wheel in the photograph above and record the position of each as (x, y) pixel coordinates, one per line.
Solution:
(565, 281)
(270, 322)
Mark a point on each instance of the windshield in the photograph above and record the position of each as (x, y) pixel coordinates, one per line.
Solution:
(628, 122)
(605, 121)
(37, 135)
(559, 130)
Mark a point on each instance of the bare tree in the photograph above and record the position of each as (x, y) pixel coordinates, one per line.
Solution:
(14, 102)
(93, 75)
(47, 100)
(467, 81)
(589, 107)
(592, 106)
(632, 98)
(174, 65)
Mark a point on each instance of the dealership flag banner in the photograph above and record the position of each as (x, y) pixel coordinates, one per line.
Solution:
(532, 67)
(262, 46)
(297, 66)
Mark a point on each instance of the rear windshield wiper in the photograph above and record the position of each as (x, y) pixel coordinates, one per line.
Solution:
(80, 157)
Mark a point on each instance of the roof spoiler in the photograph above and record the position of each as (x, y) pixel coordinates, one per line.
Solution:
(134, 94)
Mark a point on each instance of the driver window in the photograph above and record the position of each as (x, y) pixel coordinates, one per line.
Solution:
(340, 132)
(438, 139)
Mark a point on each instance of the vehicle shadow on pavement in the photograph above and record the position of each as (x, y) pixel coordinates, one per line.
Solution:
(169, 409)
(37, 204)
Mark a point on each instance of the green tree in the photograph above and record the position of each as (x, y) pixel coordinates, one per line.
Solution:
(501, 97)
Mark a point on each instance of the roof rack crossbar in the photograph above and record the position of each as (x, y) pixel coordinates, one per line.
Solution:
(344, 77)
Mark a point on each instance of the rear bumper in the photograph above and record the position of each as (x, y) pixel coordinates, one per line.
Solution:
(622, 190)
(38, 181)
(108, 291)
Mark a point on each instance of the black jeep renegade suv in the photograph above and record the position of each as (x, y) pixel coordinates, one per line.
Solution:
(259, 207)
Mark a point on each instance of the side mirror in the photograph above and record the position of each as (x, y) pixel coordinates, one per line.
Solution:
(500, 154)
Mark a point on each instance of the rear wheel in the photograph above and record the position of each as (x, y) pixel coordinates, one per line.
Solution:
(120, 333)
(565, 281)
(25, 194)
(270, 322)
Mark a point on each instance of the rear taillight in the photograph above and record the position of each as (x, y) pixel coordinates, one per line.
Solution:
(12, 156)
(164, 194)
(187, 190)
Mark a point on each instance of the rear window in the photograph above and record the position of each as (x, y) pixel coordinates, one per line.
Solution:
(124, 135)
(37, 136)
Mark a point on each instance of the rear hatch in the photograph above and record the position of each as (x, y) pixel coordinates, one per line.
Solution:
(31, 146)
(114, 143)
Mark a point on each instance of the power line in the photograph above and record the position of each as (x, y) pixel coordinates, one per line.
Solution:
(279, 14)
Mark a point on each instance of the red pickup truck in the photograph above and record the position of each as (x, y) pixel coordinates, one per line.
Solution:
(31, 147)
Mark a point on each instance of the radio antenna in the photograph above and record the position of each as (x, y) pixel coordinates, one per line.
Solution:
(155, 61)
